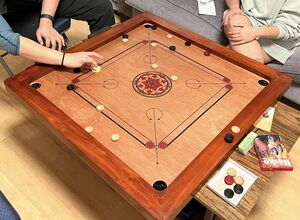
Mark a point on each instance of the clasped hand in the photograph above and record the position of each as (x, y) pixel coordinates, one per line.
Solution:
(48, 36)
(230, 13)
(241, 35)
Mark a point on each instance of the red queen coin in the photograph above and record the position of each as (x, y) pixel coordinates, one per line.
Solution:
(229, 180)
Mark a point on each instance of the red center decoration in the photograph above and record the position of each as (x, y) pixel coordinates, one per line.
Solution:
(152, 84)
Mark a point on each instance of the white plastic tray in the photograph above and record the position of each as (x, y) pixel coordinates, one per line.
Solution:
(217, 184)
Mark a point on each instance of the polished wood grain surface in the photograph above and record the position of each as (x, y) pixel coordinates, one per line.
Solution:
(163, 205)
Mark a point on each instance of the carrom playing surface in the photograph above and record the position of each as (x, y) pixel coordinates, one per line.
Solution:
(169, 94)
(163, 124)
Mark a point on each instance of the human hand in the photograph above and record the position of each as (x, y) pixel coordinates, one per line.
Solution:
(242, 35)
(230, 14)
(79, 59)
(50, 35)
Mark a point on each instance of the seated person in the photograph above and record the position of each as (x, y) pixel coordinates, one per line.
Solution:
(98, 14)
(263, 30)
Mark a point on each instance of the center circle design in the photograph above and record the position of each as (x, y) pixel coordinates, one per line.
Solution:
(152, 84)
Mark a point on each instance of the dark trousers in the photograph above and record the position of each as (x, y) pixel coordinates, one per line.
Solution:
(98, 13)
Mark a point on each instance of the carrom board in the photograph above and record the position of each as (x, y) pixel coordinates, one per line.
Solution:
(179, 103)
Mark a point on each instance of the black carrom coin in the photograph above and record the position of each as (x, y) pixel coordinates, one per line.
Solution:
(172, 48)
(160, 185)
(228, 193)
(153, 27)
(70, 87)
(147, 25)
(263, 82)
(76, 70)
(125, 36)
(36, 85)
(187, 43)
(228, 138)
(238, 189)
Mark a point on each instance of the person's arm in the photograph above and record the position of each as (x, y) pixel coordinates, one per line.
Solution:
(34, 51)
(49, 7)
(38, 53)
(247, 34)
(271, 32)
(233, 4)
(9, 41)
(15, 44)
(46, 31)
(288, 20)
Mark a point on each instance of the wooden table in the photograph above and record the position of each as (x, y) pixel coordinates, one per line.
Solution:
(287, 124)
(173, 96)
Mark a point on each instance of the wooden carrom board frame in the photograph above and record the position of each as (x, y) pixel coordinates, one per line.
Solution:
(151, 203)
